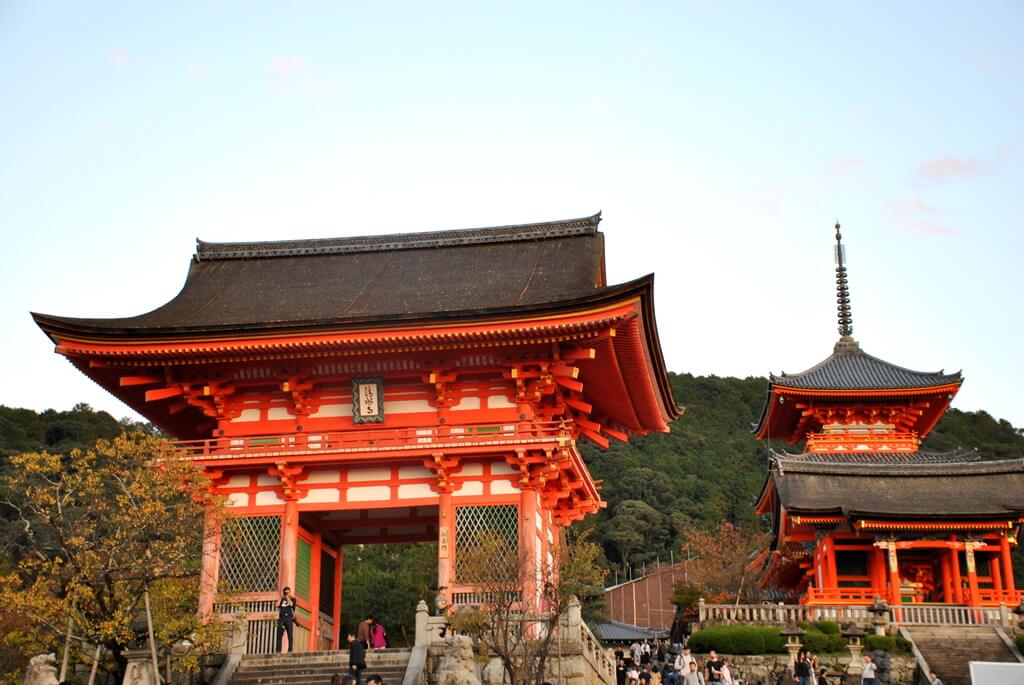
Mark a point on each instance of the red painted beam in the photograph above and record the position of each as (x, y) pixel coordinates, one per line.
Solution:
(163, 393)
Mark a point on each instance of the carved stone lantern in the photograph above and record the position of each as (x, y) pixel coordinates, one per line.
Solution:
(792, 633)
(1019, 612)
(854, 635)
(880, 609)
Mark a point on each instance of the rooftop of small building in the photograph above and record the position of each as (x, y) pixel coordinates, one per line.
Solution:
(917, 485)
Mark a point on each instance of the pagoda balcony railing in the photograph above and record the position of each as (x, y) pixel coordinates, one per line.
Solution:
(901, 614)
(363, 440)
(842, 595)
(781, 614)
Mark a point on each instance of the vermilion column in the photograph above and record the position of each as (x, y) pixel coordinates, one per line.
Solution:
(830, 564)
(314, 593)
(947, 580)
(445, 544)
(876, 559)
(958, 583)
(894, 576)
(1004, 554)
(339, 575)
(994, 571)
(289, 543)
(528, 545)
(972, 575)
(210, 572)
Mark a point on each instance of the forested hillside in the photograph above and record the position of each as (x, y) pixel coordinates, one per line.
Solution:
(707, 469)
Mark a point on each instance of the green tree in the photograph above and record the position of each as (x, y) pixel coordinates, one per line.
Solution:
(96, 530)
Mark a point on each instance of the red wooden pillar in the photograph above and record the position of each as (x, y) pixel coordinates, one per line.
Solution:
(314, 593)
(972, 575)
(210, 571)
(338, 577)
(896, 596)
(289, 543)
(995, 572)
(958, 583)
(445, 544)
(948, 595)
(830, 564)
(1004, 554)
(876, 561)
(528, 545)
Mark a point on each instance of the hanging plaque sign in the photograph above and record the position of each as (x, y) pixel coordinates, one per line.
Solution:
(367, 400)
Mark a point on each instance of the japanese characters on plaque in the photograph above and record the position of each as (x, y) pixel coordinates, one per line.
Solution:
(367, 400)
(442, 543)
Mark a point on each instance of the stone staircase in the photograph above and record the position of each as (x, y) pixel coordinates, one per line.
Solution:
(316, 668)
(949, 649)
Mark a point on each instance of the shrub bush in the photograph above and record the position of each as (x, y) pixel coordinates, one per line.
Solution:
(1020, 642)
(738, 639)
(752, 639)
(828, 627)
(887, 643)
(823, 643)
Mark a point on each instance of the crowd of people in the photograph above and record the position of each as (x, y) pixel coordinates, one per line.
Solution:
(647, 664)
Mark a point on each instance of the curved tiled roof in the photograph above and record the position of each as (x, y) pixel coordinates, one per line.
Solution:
(399, 241)
(287, 284)
(850, 368)
(836, 458)
(920, 485)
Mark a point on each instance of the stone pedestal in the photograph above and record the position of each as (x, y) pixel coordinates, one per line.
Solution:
(140, 668)
(856, 666)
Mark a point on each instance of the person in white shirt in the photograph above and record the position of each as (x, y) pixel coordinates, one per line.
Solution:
(867, 676)
(683, 661)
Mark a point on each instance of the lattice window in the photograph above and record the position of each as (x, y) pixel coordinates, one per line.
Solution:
(472, 522)
(249, 551)
(303, 569)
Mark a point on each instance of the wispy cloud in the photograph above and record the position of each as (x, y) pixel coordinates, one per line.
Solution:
(118, 56)
(844, 166)
(292, 73)
(286, 67)
(948, 167)
(196, 71)
(929, 227)
(918, 215)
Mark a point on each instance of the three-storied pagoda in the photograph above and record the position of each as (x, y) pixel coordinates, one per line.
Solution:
(862, 511)
(410, 387)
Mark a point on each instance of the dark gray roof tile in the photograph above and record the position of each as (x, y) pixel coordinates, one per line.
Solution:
(850, 368)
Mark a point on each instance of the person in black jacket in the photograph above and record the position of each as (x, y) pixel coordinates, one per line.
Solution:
(286, 619)
(356, 657)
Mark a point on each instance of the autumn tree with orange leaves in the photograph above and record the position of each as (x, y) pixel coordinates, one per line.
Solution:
(89, 534)
(720, 562)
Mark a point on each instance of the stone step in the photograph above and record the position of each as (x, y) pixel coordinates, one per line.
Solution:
(948, 650)
(277, 678)
(313, 668)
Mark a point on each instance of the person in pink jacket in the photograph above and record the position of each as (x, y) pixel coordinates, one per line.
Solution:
(378, 637)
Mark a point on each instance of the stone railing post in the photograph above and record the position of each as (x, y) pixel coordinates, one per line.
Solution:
(1004, 615)
(575, 616)
(780, 614)
(702, 614)
(422, 614)
(238, 636)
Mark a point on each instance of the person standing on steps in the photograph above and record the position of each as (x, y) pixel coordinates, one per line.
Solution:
(378, 637)
(363, 631)
(286, 619)
(356, 657)
(933, 678)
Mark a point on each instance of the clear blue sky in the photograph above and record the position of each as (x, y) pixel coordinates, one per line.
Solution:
(721, 140)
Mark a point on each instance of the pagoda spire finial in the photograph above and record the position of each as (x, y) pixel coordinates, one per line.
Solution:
(843, 293)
